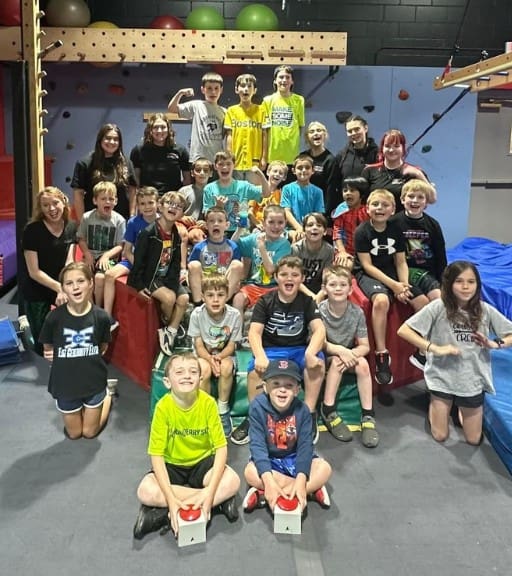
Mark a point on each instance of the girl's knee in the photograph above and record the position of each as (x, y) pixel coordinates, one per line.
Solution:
(439, 435)
(474, 439)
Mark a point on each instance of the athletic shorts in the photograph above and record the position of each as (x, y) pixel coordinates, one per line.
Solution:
(159, 283)
(253, 292)
(72, 406)
(295, 353)
(370, 287)
(423, 280)
(192, 476)
(461, 401)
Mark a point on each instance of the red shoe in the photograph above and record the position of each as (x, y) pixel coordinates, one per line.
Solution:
(322, 497)
(254, 499)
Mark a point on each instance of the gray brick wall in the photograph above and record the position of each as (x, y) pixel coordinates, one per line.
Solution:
(382, 32)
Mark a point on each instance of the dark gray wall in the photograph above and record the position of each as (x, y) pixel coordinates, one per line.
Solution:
(381, 32)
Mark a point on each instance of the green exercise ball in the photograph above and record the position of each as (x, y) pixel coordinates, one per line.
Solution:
(257, 17)
(67, 13)
(205, 18)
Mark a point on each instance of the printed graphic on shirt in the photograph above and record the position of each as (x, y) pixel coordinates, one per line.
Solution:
(388, 248)
(284, 324)
(78, 343)
(216, 261)
(418, 247)
(212, 129)
(283, 433)
(282, 116)
(100, 238)
(165, 258)
(220, 336)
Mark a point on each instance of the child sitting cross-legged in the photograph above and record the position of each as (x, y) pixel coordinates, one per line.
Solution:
(188, 454)
(283, 462)
(216, 328)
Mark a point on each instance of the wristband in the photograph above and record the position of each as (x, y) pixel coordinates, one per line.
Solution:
(500, 342)
(428, 347)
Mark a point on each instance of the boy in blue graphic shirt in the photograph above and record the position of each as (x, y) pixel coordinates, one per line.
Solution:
(282, 459)
(229, 193)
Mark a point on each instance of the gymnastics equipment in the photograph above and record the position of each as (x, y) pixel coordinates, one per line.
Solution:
(205, 18)
(67, 13)
(10, 13)
(257, 17)
(287, 516)
(167, 22)
(108, 25)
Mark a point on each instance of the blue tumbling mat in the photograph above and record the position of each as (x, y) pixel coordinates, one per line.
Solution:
(498, 409)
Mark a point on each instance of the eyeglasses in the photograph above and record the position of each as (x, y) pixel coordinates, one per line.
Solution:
(159, 128)
(203, 170)
(173, 204)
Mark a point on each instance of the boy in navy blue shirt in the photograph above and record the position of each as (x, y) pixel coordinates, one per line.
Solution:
(282, 459)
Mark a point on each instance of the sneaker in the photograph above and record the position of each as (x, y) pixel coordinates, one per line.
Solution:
(382, 369)
(244, 343)
(322, 497)
(369, 434)
(240, 434)
(336, 426)
(150, 519)
(254, 499)
(112, 387)
(417, 359)
(314, 428)
(227, 425)
(229, 509)
(114, 324)
(166, 339)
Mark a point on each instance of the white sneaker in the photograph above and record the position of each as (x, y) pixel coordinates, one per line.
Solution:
(166, 339)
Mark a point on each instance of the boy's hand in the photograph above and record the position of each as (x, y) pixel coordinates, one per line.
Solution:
(215, 363)
(103, 263)
(187, 92)
(260, 240)
(88, 259)
(201, 499)
(261, 364)
(145, 293)
(61, 298)
(299, 492)
(222, 201)
(174, 508)
(344, 259)
(48, 354)
(402, 292)
(347, 357)
(272, 491)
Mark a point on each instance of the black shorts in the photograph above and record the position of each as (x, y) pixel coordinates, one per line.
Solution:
(423, 280)
(159, 283)
(192, 476)
(369, 286)
(461, 401)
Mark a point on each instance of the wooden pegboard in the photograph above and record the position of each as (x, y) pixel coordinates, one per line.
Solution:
(184, 46)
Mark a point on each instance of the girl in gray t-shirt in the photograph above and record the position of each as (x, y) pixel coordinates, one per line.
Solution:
(455, 333)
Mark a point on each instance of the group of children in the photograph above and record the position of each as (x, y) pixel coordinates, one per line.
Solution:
(256, 246)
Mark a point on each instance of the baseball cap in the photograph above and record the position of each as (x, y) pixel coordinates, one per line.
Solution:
(282, 367)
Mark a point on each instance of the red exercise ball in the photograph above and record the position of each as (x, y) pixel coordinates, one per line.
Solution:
(10, 12)
(167, 22)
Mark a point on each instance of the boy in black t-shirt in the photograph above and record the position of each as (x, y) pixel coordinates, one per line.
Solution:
(280, 326)
(381, 271)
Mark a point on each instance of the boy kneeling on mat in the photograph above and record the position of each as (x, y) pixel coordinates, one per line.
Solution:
(188, 454)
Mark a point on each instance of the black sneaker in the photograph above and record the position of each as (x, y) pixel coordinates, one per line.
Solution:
(314, 428)
(417, 359)
(150, 519)
(240, 434)
(382, 369)
(229, 509)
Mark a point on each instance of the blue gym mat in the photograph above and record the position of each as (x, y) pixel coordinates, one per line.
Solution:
(498, 409)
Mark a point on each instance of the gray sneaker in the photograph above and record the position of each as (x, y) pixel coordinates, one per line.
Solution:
(336, 426)
(227, 424)
(369, 434)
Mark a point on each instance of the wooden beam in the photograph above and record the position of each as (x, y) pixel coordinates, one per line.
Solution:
(483, 75)
(183, 46)
(169, 115)
(31, 48)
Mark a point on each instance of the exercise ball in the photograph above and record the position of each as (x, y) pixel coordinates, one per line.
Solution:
(229, 70)
(10, 13)
(167, 22)
(257, 17)
(103, 24)
(67, 13)
(205, 18)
